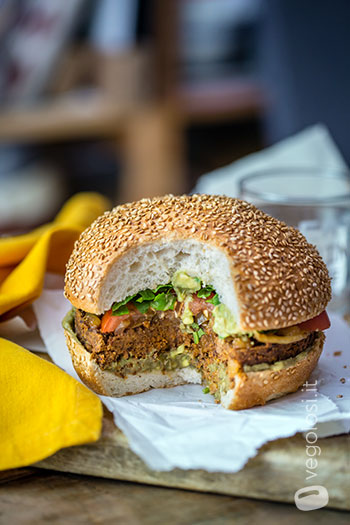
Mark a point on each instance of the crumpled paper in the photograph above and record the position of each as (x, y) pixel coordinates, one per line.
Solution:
(183, 427)
(312, 148)
(18, 332)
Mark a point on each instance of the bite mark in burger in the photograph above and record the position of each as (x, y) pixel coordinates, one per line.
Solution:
(195, 289)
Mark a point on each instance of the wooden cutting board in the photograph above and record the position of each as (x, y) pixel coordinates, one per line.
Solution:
(275, 474)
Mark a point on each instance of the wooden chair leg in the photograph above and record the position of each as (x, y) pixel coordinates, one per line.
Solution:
(153, 154)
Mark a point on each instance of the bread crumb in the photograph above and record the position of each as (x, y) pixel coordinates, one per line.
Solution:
(338, 352)
(342, 380)
(347, 318)
(339, 395)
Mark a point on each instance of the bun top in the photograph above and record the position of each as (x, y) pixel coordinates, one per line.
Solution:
(277, 277)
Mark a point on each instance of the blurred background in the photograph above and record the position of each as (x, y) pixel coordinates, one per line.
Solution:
(136, 98)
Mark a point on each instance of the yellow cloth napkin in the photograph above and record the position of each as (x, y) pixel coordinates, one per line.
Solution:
(24, 259)
(42, 408)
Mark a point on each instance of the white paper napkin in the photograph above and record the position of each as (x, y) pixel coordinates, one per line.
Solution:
(18, 332)
(182, 427)
(312, 148)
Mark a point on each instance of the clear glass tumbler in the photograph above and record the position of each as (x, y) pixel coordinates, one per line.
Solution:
(318, 204)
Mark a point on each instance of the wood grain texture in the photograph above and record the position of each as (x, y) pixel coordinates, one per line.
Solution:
(59, 498)
(274, 474)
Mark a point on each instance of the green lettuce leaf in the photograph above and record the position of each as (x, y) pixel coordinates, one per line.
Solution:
(143, 307)
(205, 292)
(145, 295)
(122, 310)
(163, 302)
(160, 299)
(214, 300)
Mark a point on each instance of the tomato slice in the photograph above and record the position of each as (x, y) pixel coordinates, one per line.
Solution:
(117, 323)
(112, 322)
(320, 322)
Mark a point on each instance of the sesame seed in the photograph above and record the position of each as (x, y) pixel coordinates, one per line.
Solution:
(279, 278)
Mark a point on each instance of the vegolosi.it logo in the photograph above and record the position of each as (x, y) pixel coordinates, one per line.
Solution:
(311, 498)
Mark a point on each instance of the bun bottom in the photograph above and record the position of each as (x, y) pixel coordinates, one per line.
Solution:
(250, 389)
(257, 388)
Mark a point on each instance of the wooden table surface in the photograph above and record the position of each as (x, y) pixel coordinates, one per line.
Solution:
(34, 496)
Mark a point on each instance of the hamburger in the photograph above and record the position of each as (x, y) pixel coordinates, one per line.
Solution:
(195, 289)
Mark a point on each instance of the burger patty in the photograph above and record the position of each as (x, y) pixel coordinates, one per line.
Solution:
(272, 352)
(160, 331)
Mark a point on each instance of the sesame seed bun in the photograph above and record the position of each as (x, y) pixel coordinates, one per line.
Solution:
(257, 388)
(249, 389)
(264, 271)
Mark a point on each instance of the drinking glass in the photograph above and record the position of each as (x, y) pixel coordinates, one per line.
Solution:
(318, 204)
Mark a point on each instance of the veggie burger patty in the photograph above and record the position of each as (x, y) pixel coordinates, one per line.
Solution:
(183, 323)
(161, 330)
